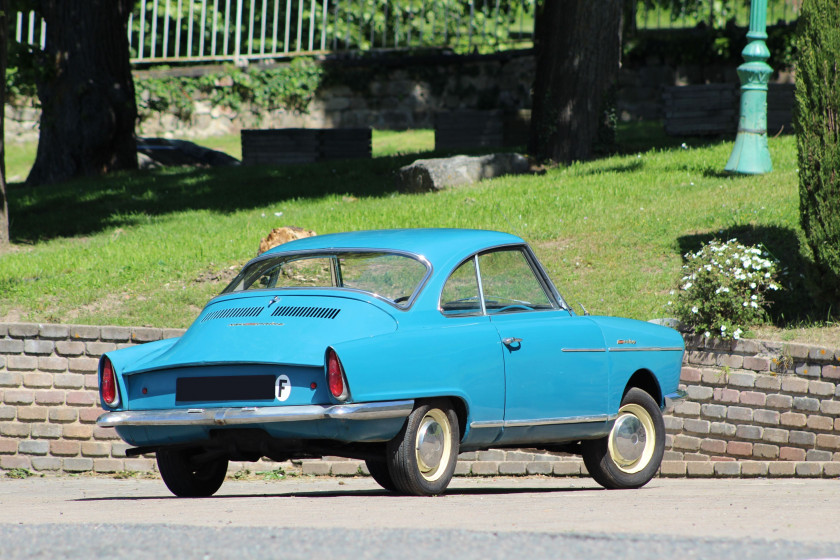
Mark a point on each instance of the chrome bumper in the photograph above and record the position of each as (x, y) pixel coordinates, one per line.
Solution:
(671, 400)
(256, 415)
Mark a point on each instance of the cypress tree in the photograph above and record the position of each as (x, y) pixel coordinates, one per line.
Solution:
(817, 125)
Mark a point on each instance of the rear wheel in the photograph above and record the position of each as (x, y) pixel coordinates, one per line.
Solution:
(631, 454)
(421, 458)
(189, 477)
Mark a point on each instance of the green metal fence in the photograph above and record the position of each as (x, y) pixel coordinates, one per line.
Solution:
(680, 14)
(172, 31)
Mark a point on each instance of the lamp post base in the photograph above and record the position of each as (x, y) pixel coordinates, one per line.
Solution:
(750, 155)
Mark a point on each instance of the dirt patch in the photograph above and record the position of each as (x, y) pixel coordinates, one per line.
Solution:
(554, 245)
(13, 316)
(217, 276)
(826, 336)
(12, 248)
(110, 304)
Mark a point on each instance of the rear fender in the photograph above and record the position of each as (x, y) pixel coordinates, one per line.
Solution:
(463, 361)
(123, 359)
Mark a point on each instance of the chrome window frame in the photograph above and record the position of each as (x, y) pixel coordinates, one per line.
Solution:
(333, 252)
(476, 270)
(555, 299)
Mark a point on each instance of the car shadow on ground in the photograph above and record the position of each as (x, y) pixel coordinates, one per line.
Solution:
(356, 493)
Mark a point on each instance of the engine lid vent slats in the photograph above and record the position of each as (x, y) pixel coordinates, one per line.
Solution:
(233, 312)
(310, 312)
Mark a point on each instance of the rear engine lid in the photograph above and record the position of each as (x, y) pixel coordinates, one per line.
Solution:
(271, 328)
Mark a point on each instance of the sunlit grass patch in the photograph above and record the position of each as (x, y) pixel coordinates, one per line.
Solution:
(150, 248)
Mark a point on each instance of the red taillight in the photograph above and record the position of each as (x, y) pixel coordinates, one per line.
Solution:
(108, 384)
(335, 376)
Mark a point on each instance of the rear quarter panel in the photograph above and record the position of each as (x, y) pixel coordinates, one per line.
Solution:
(638, 346)
(129, 357)
(458, 357)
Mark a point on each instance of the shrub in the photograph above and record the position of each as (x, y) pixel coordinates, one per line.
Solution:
(723, 288)
(289, 86)
(703, 45)
(817, 125)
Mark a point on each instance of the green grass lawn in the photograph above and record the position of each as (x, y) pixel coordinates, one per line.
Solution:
(20, 156)
(150, 248)
(19, 159)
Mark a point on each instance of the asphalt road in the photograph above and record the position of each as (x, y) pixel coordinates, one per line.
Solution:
(478, 518)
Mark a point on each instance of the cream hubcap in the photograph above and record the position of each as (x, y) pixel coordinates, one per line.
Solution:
(632, 439)
(433, 445)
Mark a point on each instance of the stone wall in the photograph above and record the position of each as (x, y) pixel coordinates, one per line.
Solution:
(754, 408)
(406, 93)
(21, 121)
(393, 94)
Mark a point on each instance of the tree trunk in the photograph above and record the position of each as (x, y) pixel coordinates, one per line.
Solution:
(578, 51)
(86, 92)
(4, 206)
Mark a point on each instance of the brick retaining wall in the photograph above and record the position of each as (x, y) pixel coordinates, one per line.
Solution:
(49, 400)
(754, 408)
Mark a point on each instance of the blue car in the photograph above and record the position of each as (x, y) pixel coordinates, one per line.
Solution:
(401, 348)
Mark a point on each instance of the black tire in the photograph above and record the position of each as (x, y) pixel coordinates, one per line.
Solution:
(188, 479)
(378, 470)
(631, 454)
(421, 458)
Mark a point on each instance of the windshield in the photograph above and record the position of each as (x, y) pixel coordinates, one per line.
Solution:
(394, 277)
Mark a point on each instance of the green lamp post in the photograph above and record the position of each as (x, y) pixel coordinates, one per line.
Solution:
(750, 155)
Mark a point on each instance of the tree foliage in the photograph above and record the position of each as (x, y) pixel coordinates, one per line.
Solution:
(817, 124)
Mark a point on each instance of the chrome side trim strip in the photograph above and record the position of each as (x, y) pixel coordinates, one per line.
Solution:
(649, 349)
(542, 422)
(558, 421)
(583, 349)
(256, 415)
(487, 424)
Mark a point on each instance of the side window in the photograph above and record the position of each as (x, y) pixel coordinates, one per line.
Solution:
(460, 293)
(510, 284)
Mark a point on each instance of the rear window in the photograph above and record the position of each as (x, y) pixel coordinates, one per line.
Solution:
(394, 277)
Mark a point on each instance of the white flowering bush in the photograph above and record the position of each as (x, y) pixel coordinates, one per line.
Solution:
(723, 288)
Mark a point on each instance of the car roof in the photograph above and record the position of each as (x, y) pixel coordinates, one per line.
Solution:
(438, 246)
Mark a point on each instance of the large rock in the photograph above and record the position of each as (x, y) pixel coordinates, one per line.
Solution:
(281, 235)
(159, 152)
(435, 174)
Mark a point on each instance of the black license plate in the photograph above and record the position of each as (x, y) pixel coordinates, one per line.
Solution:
(229, 388)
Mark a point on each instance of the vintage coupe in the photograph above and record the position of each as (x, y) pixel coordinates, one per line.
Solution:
(401, 348)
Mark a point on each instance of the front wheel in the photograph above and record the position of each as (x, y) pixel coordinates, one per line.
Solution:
(187, 476)
(421, 458)
(631, 454)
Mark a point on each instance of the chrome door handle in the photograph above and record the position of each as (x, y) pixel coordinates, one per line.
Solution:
(511, 340)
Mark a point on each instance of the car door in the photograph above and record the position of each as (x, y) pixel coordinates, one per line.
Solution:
(472, 338)
(555, 362)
